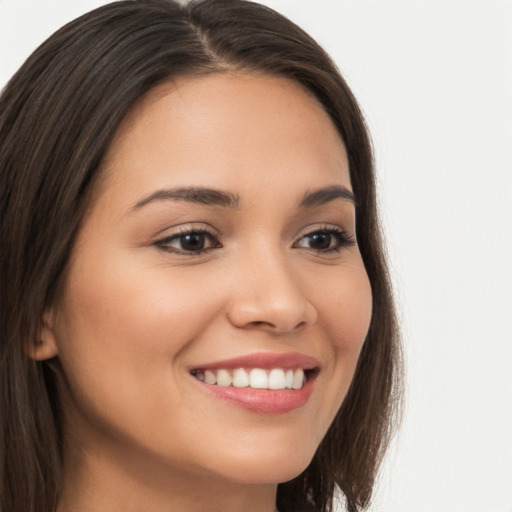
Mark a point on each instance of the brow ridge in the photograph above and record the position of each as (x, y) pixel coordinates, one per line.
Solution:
(199, 195)
(325, 195)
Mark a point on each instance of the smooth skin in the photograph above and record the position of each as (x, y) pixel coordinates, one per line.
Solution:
(143, 303)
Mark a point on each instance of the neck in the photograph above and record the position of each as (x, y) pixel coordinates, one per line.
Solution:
(93, 484)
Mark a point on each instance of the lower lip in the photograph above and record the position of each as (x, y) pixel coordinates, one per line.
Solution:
(263, 401)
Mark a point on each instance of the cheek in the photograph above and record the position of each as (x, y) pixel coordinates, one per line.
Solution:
(343, 300)
(121, 330)
(134, 310)
(346, 310)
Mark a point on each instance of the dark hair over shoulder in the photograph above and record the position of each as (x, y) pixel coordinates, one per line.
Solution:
(58, 115)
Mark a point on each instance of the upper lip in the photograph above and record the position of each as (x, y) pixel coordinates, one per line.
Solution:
(264, 360)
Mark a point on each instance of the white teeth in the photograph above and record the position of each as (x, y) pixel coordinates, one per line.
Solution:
(240, 378)
(210, 377)
(298, 379)
(276, 379)
(289, 379)
(224, 378)
(257, 378)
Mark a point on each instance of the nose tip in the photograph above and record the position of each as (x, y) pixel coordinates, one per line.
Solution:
(277, 305)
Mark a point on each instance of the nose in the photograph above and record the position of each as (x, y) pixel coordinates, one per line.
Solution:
(269, 296)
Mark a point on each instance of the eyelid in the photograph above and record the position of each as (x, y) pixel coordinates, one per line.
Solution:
(185, 228)
(348, 238)
(314, 228)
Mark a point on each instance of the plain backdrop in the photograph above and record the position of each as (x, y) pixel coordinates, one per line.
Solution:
(434, 78)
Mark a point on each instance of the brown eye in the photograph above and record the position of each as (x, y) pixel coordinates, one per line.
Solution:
(191, 242)
(325, 240)
(320, 241)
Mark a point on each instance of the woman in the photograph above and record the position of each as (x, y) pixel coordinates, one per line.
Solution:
(191, 317)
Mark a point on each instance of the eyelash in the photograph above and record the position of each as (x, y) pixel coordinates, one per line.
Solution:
(213, 237)
(343, 240)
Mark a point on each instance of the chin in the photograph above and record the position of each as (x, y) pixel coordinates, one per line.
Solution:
(269, 469)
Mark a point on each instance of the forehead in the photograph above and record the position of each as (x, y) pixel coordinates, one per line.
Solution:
(226, 130)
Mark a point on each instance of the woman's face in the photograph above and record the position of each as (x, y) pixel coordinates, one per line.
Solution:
(220, 245)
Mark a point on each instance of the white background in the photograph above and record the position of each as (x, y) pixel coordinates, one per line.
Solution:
(434, 78)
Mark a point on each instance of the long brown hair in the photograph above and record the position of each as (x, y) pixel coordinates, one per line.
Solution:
(58, 115)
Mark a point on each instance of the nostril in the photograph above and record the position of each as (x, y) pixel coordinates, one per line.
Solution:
(278, 326)
(254, 312)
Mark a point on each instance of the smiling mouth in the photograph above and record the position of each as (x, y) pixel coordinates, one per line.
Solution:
(255, 378)
(263, 383)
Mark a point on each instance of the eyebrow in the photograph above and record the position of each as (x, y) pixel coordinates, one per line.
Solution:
(199, 195)
(212, 197)
(325, 195)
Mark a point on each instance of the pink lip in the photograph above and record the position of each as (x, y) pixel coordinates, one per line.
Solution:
(264, 401)
(264, 360)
